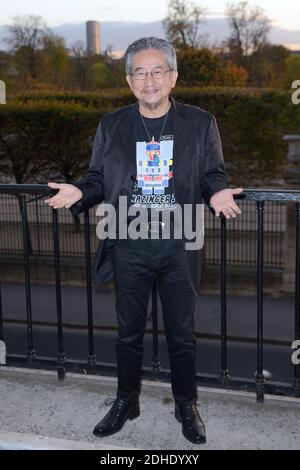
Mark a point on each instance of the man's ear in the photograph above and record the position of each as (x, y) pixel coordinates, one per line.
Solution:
(174, 78)
(128, 78)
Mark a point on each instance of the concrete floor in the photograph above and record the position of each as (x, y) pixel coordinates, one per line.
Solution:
(39, 412)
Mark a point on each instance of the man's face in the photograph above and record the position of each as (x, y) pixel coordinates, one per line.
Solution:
(151, 91)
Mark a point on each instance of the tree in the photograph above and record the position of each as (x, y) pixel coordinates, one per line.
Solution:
(97, 76)
(249, 31)
(54, 60)
(269, 66)
(292, 69)
(5, 63)
(182, 23)
(26, 38)
(22, 144)
(77, 65)
(231, 75)
(197, 67)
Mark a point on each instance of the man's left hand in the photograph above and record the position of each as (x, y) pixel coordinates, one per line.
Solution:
(223, 201)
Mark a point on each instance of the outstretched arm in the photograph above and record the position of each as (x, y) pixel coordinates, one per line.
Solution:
(215, 189)
(85, 194)
(223, 201)
(66, 196)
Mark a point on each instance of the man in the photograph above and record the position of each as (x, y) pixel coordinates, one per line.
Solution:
(161, 156)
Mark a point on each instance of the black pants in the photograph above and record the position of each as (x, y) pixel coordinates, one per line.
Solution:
(136, 262)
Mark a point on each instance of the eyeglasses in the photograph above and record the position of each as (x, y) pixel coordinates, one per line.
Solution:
(157, 74)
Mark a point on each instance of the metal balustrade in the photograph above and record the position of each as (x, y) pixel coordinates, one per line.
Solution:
(222, 378)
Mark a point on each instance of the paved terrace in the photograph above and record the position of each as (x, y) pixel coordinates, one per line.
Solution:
(39, 412)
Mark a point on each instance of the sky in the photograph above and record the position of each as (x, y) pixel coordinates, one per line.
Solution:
(285, 14)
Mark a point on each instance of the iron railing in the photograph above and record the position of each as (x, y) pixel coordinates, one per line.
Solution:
(241, 233)
(220, 379)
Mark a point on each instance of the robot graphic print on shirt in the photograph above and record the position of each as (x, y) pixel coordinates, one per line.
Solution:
(154, 166)
(154, 187)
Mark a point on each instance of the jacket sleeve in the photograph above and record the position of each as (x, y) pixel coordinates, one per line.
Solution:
(92, 186)
(213, 177)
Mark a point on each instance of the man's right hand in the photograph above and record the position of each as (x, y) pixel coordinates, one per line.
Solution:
(67, 195)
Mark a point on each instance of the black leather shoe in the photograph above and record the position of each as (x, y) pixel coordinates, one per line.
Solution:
(193, 427)
(115, 419)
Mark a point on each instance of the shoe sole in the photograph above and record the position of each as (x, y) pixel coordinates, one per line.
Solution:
(133, 415)
(202, 440)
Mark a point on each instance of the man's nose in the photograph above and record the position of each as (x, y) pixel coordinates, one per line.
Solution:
(149, 78)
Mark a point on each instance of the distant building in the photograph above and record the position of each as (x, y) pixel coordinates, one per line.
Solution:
(115, 54)
(2, 92)
(93, 37)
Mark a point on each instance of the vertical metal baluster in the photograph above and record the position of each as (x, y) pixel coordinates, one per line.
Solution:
(25, 233)
(296, 379)
(38, 226)
(259, 376)
(61, 355)
(224, 371)
(91, 356)
(1, 316)
(155, 360)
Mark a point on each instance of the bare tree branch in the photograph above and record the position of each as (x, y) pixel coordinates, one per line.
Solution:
(249, 31)
(182, 23)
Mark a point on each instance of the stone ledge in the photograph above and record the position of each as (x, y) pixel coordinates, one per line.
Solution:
(45, 411)
(25, 441)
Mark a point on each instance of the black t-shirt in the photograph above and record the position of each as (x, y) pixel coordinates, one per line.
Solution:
(154, 187)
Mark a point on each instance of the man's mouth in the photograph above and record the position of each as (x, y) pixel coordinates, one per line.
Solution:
(150, 91)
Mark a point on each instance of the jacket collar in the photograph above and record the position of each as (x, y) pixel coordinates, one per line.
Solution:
(182, 130)
(126, 128)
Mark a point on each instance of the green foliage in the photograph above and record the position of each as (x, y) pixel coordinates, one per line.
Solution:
(54, 60)
(197, 66)
(43, 139)
(42, 135)
(292, 69)
(108, 98)
(97, 76)
(202, 67)
(252, 123)
(268, 66)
